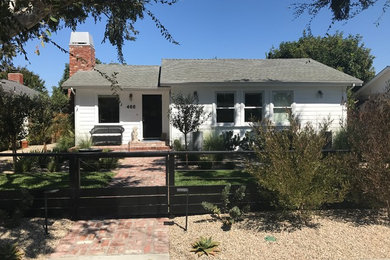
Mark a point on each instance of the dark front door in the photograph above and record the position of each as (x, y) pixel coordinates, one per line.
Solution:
(152, 116)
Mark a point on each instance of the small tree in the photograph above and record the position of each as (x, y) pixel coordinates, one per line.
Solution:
(186, 115)
(291, 165)
(15, 109)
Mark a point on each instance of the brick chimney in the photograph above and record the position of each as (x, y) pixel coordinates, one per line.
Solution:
(17, 77)
(82, 52)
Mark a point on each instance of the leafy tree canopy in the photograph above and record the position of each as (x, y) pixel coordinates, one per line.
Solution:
(22, 20)
(342, 10)
(30, 79)
(348, 55)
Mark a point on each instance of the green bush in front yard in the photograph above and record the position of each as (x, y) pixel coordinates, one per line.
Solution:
(293, 167)
(369, 127)
(25, 164)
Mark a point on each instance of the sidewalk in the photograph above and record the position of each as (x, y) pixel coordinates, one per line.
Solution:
(115, 239)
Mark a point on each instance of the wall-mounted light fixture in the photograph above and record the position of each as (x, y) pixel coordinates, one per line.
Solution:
(196, 95)
(320, 94)
(131, 97)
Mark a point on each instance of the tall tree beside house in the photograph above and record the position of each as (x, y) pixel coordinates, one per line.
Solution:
(346, 54)
(30, 79)
(186, 115)
(23, 20)
(40, 120)
(13, 113)
(59, 100)
(65, 75)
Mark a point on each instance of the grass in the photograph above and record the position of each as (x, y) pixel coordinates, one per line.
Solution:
(212, 177)
(52, 180)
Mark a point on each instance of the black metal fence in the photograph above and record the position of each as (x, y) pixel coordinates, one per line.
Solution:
(78, 202)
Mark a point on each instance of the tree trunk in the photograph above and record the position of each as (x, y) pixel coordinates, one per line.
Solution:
(14, 158)
(185, 141)
(186, 148)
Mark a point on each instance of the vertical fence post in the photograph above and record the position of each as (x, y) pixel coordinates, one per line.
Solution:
(167, 170)
(74, 171)
(170, 178)
(171, 170)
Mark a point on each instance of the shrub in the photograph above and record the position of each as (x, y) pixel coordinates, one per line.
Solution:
(65, 142)
(205, 246)
(54, 165)
(231, 205)
(370, 140)
(109, 162)
(85, 143)
(177, 146)
(205, 163)
(340, 140)
(214, 142)
(25, 164)
(293, 166)
(41, 161)
(230, 141)
(10, 251)
(250, 139)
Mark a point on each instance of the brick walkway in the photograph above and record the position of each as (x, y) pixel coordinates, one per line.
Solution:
(115, 237)
(139, 171)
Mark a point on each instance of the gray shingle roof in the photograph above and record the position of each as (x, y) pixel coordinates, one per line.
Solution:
(17, 88)
(176, 71)
(127, 76)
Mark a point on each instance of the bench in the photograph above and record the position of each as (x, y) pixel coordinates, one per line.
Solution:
(107, 134)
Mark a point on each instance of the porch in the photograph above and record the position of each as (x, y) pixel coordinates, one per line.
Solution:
(144, 146)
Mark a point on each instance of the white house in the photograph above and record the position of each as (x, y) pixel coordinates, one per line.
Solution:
(231, 90)
(379, 84)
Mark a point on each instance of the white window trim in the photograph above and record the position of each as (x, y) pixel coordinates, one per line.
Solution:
(273, 106)
(233, 107)
(247, 123)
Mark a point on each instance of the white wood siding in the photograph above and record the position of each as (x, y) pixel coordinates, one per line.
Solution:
(87, 111)
(308, 105)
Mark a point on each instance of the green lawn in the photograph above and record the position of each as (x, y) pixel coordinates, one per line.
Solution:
(51, 180)
(212, 177)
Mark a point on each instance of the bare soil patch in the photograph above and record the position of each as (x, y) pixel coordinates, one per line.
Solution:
(336, 234)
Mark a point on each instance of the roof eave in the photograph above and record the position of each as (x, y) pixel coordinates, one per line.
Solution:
(275, 82)
(372, 81)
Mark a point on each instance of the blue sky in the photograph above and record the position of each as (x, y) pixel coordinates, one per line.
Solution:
(212, 28)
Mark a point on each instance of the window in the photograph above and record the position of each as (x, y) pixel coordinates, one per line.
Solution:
(253, 107)
(108, 109)
(225, 107)
(282, 101)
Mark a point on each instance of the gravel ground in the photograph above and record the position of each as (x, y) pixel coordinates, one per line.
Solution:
(329, 235)
(31, 238)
